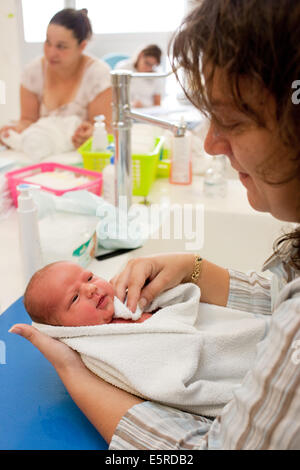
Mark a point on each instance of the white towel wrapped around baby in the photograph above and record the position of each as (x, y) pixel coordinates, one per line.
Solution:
(47, 136)
(188, 355)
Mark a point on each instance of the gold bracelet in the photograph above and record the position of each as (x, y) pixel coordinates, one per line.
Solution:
(197, 269)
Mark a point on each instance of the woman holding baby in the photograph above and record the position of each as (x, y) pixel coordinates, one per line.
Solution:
(66, 81)
(240, 61)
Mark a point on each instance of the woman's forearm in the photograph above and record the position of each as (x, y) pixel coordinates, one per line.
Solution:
(167, 271)
(214, 283)
(102, 403)
(23, 123)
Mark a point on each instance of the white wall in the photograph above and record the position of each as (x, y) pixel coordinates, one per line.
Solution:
(104, 43)
(10, 64)
(15, 52)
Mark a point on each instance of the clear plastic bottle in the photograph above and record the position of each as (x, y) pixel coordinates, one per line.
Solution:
(30, 246)
(108, 191)
(215, 182)
(99, 142)
(181, 162)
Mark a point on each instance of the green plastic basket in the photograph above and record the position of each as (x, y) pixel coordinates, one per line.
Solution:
(144, 167)
(163, 168)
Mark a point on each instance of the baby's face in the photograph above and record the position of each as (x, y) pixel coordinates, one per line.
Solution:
(81, 297)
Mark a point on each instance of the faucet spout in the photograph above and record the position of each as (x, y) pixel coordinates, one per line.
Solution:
(122, 123)
(177, 129)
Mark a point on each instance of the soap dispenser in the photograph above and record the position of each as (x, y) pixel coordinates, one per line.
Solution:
(99, 142)
(31, 254)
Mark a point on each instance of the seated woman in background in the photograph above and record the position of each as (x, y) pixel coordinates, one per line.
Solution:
(65, 81)
(144, 91)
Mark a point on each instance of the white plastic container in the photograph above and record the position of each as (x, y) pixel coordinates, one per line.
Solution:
(108, 188)
(31, 254)
(99, 142)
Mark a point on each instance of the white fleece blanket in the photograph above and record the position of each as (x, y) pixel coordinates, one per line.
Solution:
(48, 136)
(188, 355)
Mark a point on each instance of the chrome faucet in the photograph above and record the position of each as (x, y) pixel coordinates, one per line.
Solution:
(122, 123)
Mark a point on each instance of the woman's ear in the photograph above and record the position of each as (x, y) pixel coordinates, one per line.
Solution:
(83, 45)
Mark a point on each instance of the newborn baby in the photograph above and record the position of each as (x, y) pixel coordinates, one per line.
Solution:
(189, 355)
(65, 294)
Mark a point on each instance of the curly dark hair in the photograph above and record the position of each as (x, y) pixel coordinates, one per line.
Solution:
(253, 39)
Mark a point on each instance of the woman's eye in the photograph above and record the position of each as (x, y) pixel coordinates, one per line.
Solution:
(227, 125)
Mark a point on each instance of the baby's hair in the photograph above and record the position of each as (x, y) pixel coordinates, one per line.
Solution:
(39, 309)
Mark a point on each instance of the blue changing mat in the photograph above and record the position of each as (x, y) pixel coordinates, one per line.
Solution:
(36, 411)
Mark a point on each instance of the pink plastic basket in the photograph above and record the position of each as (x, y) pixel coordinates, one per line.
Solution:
(17, 177)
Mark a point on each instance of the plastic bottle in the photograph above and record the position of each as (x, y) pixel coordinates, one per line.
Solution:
(31, 254)
(99, 142)
(215, 183)
(108, 174)
(181, 161)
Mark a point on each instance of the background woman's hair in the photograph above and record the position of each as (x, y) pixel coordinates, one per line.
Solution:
(150, 51)
(255, 39)
(75, 20)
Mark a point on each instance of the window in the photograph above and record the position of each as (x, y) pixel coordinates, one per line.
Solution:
(36, 17)
(107, 16)
(133, 16)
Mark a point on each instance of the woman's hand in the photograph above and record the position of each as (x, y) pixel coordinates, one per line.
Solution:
(60, 355)
(4, 131)
(19, 127)
(82, 133)
(147, 277)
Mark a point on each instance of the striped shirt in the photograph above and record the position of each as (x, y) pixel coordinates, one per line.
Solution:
(265, 410)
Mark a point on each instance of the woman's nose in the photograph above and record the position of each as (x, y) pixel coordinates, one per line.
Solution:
(215, 143)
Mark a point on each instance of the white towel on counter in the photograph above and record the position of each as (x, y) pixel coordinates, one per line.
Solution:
(188, 355)
(47, 136)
